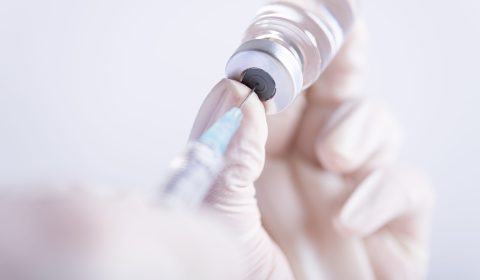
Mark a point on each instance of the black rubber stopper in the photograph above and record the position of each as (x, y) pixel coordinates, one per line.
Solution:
(262, 82)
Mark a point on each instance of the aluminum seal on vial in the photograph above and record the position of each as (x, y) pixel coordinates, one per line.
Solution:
(281, 65)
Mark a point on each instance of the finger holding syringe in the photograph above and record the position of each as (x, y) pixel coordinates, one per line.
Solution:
(195, 171)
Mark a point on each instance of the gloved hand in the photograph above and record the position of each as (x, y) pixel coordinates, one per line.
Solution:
(332, 166)
(78, 235)
(332, 194)
(232, 199)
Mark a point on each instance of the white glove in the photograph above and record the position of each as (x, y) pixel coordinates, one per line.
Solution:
(332, 194)
(75, 235)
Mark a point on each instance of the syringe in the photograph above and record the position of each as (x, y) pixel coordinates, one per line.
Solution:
(195, 171)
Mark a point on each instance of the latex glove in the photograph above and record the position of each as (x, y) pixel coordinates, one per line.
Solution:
(332, 193)
(79, 235)
(232, 199)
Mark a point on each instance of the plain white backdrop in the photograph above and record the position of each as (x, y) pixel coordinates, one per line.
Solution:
(105, 92)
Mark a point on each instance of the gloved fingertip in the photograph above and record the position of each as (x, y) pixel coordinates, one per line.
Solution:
(343, 228)
(359, 135)
(334, 159)
(357, 216)
(338, 143)
(225, 95)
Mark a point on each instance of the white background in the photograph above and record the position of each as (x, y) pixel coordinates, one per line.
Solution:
(105, 91)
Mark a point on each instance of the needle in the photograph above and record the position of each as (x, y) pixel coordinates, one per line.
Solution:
(246, 98)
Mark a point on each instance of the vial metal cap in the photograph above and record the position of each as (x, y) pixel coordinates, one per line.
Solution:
(282, 66)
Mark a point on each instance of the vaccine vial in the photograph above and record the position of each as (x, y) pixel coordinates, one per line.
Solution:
(288, 45)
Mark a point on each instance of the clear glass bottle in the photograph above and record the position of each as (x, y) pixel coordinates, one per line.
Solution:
(293, 42)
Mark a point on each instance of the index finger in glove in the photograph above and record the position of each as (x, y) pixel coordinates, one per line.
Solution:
(232, 198)
(245, 155)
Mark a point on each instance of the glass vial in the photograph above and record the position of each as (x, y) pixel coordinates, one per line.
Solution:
(292, 42)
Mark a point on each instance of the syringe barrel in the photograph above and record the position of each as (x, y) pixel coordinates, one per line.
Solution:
(193, 174)
(195, 171)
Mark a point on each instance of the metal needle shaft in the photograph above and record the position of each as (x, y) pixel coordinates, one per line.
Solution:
(246, 98)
